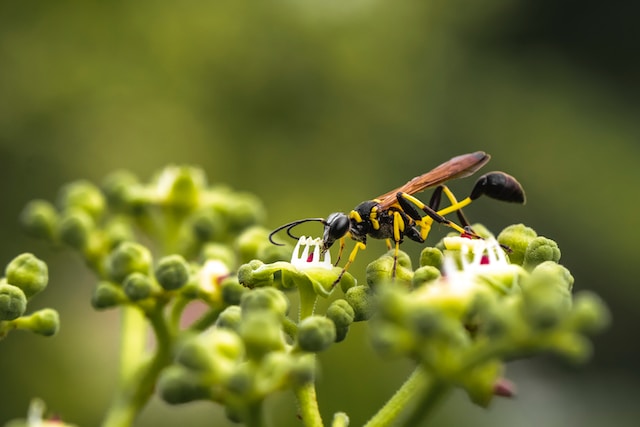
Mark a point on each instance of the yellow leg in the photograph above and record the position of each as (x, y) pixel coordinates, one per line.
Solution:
(340, 251)
(442, 212)
(352, 257)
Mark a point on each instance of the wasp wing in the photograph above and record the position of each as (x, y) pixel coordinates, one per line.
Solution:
(457, 167)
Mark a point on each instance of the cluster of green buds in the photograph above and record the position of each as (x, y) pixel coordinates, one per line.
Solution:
(472, 304)
(25, 277)
(257, 347)
(195, 263)
(156, 247)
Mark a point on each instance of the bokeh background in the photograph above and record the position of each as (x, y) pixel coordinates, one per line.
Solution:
(315, 106)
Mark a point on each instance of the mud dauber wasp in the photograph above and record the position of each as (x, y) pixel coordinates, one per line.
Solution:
(397, 214)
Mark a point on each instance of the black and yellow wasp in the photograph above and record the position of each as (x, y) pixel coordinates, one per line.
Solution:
(398, 214)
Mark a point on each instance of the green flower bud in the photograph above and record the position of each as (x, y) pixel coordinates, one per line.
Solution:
(179, 385)
(241, 380)
(207, 225)
(392, 340)
(553, 273)
(341, 333)
(118, 231)
(181, 186)
(480, 382)
(425, 274)
(127, 258)
(340, 419)
(117, 188)
(360, 298)
(273, 373)
(425, 321)
(341, 313)
(517, 238)
(107, 295)
(216, 352)
(39, 218)
(172, 272)
(347, 282)
(137, 286)
(251, 241)
(13, 302)
(272, 253)
(261, 332)
(546, 295)
(249, 278)
(380, 270)
(230, 318)
(540, 250)
(316, 333)
(244, 210)
(232, 291)
(303, 369)
(75, 228)
(82, 195)
(220, 252)
(589, 314)
(27, 273)
(431, 257)
(574, 347)
(261, 299)
(43, 322)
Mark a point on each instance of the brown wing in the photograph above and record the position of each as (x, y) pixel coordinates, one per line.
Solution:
(457, 167)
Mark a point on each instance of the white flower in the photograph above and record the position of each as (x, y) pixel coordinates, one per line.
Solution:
(305, 260)
(482, 261)
(211, 274)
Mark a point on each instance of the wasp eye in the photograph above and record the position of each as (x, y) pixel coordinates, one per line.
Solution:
(336, 227)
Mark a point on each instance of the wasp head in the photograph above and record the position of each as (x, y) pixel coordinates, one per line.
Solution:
(336, 227)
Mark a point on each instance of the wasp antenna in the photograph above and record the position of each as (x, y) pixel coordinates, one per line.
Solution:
(291, 225)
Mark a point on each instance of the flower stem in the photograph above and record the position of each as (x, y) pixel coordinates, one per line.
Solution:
(418, 384)
(138, 382)
(426, 402)
(308, 405)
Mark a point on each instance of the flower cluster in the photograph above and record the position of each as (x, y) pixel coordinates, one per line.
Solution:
(477, 303)
(191, 263)
(25, 276)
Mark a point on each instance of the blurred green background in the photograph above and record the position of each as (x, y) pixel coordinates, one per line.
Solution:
(315, 106)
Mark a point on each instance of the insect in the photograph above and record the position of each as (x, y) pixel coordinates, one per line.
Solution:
(398, 214)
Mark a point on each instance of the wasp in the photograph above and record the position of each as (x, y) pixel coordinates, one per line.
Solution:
(398, 213)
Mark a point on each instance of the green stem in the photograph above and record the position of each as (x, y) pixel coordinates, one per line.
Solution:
(255, 415)
(429, 392)
(138, 384)
(133, 332)
(308, 405)
(206, 320)
(398, 402)
(429, 398)
(308, 299)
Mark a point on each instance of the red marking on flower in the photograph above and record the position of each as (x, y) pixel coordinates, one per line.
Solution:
(467, 235)
(310, 257)
(484, 260)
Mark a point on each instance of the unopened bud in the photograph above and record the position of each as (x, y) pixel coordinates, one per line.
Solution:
(27, 273)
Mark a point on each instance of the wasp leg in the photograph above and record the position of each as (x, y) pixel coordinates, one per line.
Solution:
(436, 198)
(352, 257)
(340, 251)
(408, 203)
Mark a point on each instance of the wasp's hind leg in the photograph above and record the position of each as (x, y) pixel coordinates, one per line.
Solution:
(412, 206)
(436, 199)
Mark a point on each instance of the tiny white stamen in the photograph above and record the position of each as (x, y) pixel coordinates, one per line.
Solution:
(301, 260)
